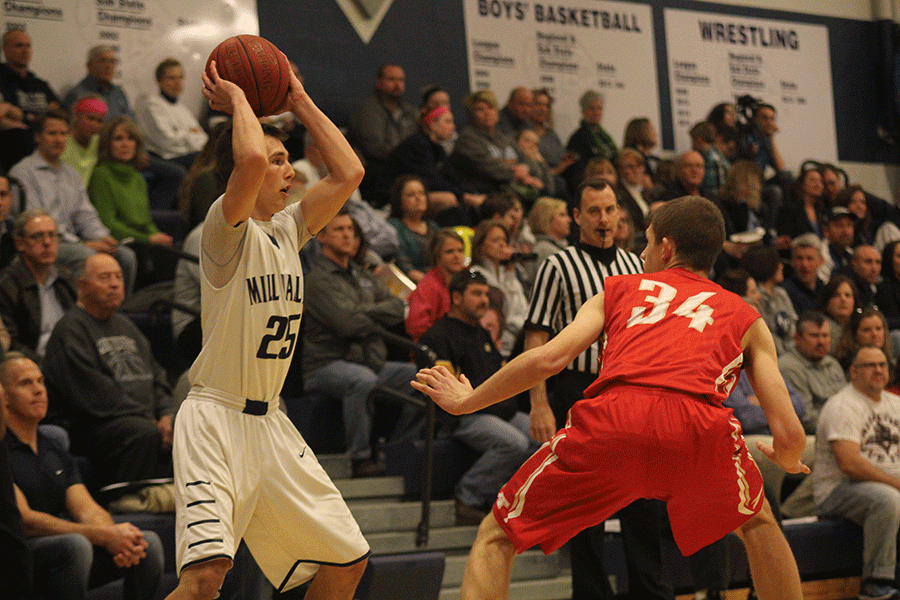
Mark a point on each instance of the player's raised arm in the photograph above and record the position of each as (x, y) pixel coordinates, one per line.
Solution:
(323, 200)
(457, 397)
(761, 364)
(248, 146)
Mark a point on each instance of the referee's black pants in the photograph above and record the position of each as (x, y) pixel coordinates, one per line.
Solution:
(643, 523)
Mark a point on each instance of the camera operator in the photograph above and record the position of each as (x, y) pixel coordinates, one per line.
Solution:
(757, 143)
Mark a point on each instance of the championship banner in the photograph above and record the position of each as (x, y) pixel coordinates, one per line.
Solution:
(144, 32)
(717, 58)
(567, 48)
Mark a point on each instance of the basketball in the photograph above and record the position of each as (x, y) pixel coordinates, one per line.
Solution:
(256, 66)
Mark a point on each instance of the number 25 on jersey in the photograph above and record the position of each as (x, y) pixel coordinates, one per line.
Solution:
(693, 308)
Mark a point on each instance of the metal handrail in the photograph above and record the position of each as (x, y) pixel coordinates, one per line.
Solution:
(425, 357)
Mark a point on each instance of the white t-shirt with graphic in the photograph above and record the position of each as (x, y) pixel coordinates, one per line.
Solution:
(875, 426)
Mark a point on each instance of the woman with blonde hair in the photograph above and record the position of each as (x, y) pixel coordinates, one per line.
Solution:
(431, 299)
(550, 222)
(118, 190)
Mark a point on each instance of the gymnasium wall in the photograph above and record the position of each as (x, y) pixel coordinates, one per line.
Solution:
(429, 38)
(430, 41)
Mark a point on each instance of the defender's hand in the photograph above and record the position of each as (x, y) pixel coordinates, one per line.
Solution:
(446, 390)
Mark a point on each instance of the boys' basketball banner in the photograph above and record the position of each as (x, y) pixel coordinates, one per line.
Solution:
(568, 48)
(143, 32)
(717, 58)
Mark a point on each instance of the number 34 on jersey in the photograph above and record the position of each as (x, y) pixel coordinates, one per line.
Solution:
(660, 299)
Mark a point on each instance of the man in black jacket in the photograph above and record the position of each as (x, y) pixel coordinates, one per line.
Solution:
(34, 293)
(500, 432)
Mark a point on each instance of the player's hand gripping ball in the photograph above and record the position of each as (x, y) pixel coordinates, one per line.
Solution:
(258, 67)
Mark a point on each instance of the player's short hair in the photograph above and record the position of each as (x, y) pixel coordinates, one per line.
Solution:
(225, 151)
(461, 281)
(696, 228)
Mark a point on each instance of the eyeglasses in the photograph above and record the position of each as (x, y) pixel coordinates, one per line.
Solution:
(40, 236)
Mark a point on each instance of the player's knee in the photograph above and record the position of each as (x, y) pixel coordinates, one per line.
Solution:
(348, 574)
(356, 570)
(884, 500)
(490, 531)
(202, 581)
(764, 518)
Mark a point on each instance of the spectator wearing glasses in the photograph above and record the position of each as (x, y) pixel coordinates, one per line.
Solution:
(34, 292)
(101, 69)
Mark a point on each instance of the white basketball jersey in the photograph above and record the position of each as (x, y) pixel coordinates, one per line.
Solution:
(251, 324)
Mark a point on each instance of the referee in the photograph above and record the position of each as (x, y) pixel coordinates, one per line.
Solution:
(564, 282)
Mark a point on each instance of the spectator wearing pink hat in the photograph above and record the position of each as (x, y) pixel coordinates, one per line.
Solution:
(423, 154)
(81, 149)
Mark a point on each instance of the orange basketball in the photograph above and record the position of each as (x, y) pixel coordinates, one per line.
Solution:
(256, 66)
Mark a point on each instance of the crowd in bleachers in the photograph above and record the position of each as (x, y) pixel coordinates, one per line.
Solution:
(85, 179)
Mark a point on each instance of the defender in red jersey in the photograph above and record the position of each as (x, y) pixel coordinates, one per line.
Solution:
(653, 424)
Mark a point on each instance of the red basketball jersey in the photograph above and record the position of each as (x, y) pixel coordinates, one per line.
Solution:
(675, 330)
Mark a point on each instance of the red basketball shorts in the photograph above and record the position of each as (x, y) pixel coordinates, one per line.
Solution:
(635, 442)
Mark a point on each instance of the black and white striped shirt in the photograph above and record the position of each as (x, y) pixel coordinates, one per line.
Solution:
(565, 281)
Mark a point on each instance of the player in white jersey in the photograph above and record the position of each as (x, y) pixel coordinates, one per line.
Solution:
(241, 468)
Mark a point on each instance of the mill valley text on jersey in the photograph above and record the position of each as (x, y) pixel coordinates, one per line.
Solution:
(266, 288)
